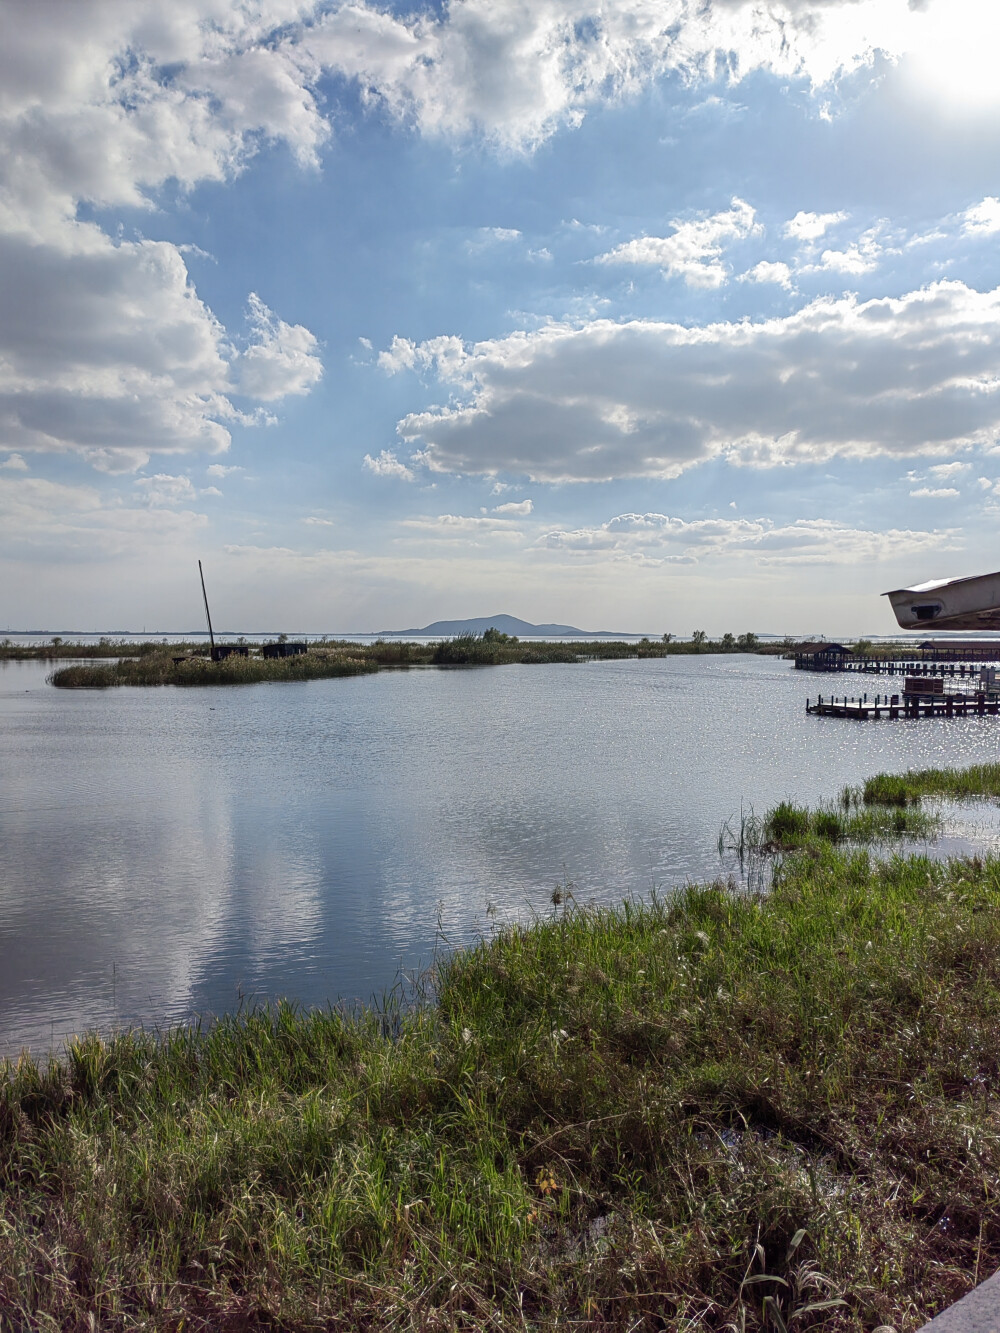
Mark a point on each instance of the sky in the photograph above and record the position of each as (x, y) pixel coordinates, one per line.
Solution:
(643, 315)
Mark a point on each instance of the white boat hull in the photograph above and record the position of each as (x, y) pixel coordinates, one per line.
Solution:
(949, 604)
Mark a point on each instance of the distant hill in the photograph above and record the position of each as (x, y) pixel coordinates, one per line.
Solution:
(505, 624)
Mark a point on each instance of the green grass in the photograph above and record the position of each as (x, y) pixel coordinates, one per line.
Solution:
(789, 825)
(719, 1110)
(908, 788)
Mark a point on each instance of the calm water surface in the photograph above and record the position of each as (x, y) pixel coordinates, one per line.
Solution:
(164, 852)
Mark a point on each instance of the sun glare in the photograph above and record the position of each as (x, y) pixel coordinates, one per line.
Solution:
(954, 47)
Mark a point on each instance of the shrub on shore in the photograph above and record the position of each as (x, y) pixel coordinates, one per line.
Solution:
(718, 1110)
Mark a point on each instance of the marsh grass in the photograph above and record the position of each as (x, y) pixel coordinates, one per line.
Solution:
(161, 669)
(719, 1111)
(789, 825)
(907, 788)
(58, 648)
(722, 1110)
(155, 665)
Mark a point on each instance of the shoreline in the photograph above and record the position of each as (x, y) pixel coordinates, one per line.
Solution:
(716, 1107)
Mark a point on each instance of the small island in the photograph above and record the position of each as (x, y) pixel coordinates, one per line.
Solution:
(120, 662)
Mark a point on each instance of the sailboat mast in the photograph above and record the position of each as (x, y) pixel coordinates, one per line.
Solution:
(208, 614)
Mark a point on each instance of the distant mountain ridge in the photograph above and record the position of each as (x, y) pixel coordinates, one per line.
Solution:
(505, 624)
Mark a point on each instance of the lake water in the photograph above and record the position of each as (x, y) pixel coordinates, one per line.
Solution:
(165, 852)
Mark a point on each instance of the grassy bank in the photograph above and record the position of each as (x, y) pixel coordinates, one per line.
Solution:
(719, 1110)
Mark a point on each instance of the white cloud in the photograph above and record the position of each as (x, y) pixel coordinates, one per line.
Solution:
(861, 256)
(805, 541)
(221, 470)
(693, 251)
(49, 519)
(406, 355)
(521, 507)
(934, 493)
(315, 522)
(982, 219)
(908, 376)
(944, 470)
(766, 271)
(811, 226)
(515, 72)
(281, 358)
(15, 463)
(388, 465)
(112, 354)
(109, 352)
(463, 527)
(491, 236)
(164, 489)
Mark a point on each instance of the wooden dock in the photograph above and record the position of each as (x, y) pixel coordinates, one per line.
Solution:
(888, 666)
(895, 706)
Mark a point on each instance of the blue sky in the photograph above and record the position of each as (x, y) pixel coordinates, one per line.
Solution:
(654, 315)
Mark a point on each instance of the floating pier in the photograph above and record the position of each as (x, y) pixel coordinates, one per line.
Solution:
(894, 706)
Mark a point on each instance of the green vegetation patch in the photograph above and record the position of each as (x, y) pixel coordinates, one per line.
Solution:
(162, 669)
(908, 788)
(718, 1110)
(789, 825)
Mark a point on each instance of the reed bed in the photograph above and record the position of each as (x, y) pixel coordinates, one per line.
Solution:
(907, 788)
(161, 669)
(720, 1110)
(153, 664)
(57, 649)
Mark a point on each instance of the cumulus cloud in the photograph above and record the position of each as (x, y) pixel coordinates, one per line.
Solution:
(112, 353)
(982, 219)
(811, 226)
(515, 72)
(908, 376)
(107, 349)
(14, 463)
(768, 271)
(315, 522)
(521, 507)
(281, 358)
(660, 537)
(934, 493)
(693, 251)
(388, 465)
(860, 257)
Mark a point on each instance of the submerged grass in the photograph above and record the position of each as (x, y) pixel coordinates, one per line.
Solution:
(720, 1110)
(789, 825)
